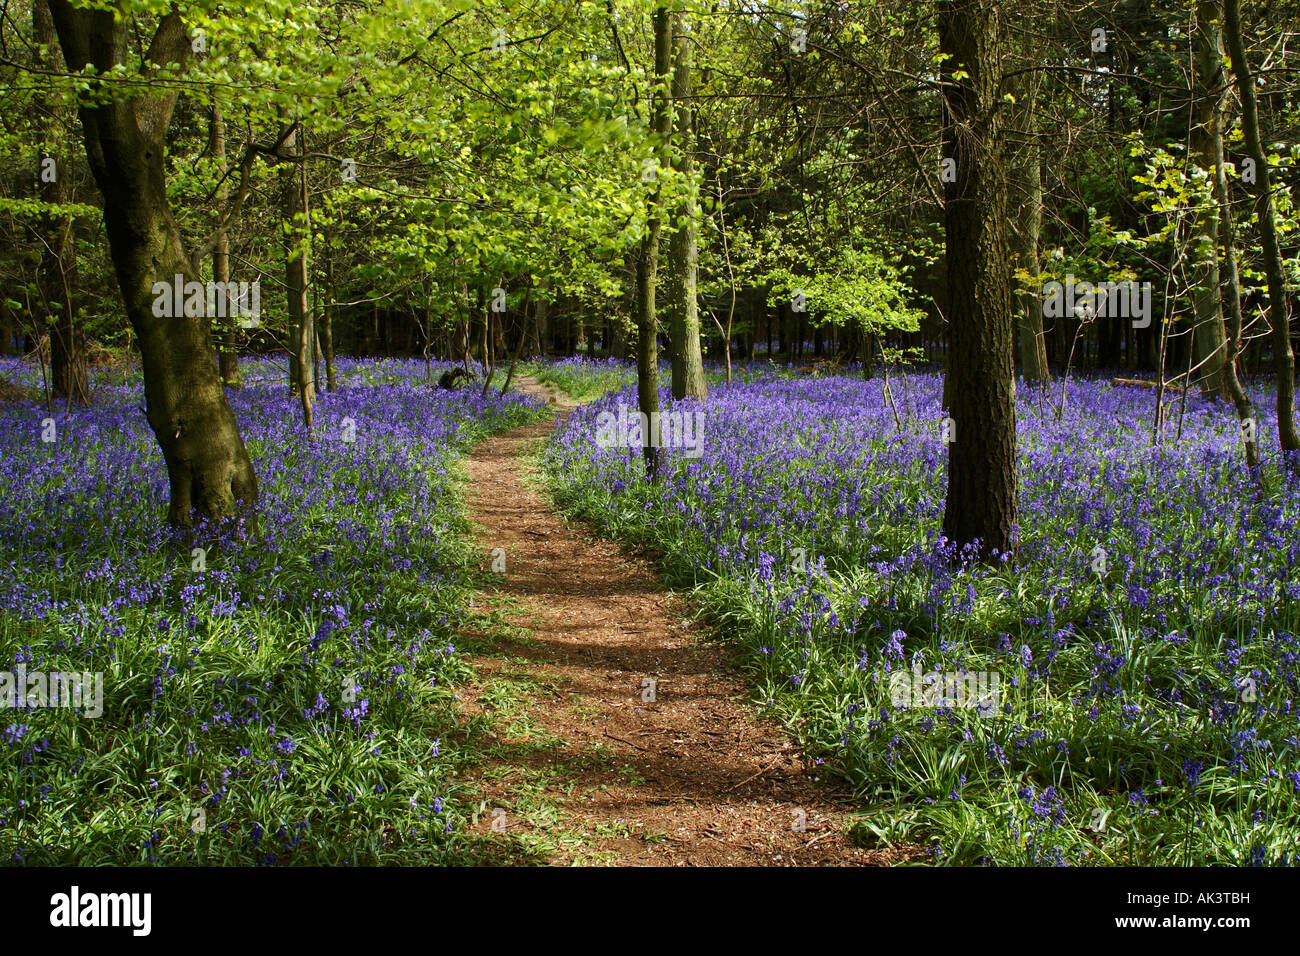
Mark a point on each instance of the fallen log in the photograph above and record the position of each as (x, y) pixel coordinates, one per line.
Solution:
(1145, 384)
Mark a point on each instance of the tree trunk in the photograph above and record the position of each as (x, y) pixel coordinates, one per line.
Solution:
(1210, 351)
(499, 348)
(539, 323)
(647, 367)
(617, 334)
(1279, 314)
(58, 257)
(1231, 303)
(228, 361)
(207, 465)
(489, 356)
(327, 317)
(982, 497)
(463, 323)
(726, 330)
(1028, 227)
(523, 339)
(648, 264)
(462, 342)
(295, 276)
(683, 247)
(483, 339)
(7, 326)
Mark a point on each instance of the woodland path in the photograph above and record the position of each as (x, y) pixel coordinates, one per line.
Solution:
(587, 767)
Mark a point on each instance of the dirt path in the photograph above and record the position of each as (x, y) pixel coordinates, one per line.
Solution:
(632, 745)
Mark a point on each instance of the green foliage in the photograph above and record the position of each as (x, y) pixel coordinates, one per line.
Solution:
(856, 288)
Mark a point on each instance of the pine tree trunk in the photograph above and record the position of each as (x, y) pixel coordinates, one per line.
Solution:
(980, 383)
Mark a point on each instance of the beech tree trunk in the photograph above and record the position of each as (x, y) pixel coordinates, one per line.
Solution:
(648, 262)
(540, 331)
(1231, 304)
(58, 257)
(981, 503)
(303, 361)
(523, 338)
(7, 326)
(227, 334)
(483, 339)
(489, 357)
(1027, 174)
(1279, 314)
(327, 318)
(683, 247)
(1210, 348)
(463, 324)
(207, 465)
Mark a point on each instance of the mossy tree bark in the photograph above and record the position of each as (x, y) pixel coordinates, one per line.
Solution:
(208, 468)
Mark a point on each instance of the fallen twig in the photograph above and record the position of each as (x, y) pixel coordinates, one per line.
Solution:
(628, 742)
(747, 779)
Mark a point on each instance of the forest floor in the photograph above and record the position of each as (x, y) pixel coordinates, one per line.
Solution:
(619, 735)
